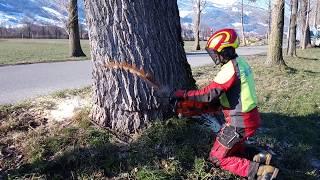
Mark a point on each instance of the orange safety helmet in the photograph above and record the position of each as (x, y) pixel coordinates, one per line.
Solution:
(222, 39)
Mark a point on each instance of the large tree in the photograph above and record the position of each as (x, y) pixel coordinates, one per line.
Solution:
(136, 49)
(275, 56)
(291, 51)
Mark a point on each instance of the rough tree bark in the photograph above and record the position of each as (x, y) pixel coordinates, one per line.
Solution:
(275, 56)
(293, 29)
(73, 27)
(196, 24)
(136, 48)
(305, 28)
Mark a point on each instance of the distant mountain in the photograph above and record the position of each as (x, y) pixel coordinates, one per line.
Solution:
(16, 12)
(216, 14)
(219, 16)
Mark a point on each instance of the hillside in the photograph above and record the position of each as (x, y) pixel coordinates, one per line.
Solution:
(15, 13)
(216, 15)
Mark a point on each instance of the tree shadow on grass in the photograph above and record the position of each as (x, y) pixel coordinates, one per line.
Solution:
(311, 72)
(177, 142)
(308, 59)
(169, 150)
(292, 70)
(295, 141)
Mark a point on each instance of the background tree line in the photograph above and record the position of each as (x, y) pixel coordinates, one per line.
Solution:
(72, 29)
(34, 31)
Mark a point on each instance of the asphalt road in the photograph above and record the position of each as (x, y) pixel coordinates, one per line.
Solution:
(22, 82)
(202, 58)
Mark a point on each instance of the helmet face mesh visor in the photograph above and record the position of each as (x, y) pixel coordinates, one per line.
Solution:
(214, 55)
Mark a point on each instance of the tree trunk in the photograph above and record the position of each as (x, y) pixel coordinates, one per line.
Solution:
(275, 56)
(242, 26)
(315, 21)
(305, 11)
(136, 48)
(293, 29)
(289, 28)
(196, 31)
(73, 27)
(270, 18)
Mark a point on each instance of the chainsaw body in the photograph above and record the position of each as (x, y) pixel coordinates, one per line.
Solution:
(204, 113)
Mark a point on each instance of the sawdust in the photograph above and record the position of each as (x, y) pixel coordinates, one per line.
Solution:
(40, 115)
(66, 109)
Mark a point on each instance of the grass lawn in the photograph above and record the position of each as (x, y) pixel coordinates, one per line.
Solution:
(189, 45)
(289, 102)
(18, 51)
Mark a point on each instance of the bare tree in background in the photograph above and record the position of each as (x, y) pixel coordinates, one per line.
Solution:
(275, 56)
(74, 37)
(291, 50)
(290, 4)
(71, 25)
(198, 6)
(2, 29)
(305, 27)
(26, 30)
(316, 14)
(242, 25)
(62, 7)
(242, 22)
(269, 19)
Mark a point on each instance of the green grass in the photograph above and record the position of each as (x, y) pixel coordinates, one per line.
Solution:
(18, 51)
(189, 45)
(289, 102)
(81, 92)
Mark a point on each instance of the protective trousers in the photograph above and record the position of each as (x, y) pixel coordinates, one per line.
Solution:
(227, 147)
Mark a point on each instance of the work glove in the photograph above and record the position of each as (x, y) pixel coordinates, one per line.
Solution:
(180, 94)
(176, 97)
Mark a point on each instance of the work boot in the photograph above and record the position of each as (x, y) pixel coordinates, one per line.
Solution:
(267, 172)
(263, 158)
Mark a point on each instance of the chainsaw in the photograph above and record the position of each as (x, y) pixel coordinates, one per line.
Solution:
(207, 114)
